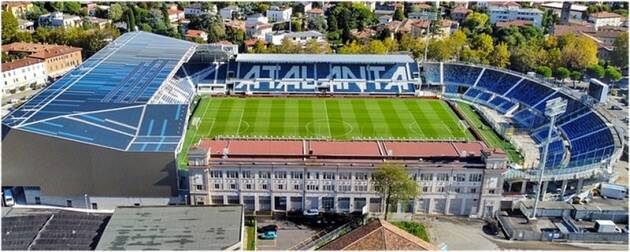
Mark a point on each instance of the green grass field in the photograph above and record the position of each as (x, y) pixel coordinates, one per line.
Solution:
(325, 118)
(487, 133)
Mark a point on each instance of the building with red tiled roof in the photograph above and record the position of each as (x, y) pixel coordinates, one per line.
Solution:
(190, 33)
(307, 171)
(459, 13)
(58, 59)
(605, 19)
(379, 235)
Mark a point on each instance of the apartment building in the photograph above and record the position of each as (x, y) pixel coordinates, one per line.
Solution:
(58, 59)
(22, 74)
(506, 14)
(604, 18)
(300, 38)
(278, 14)
(58, 19)
(336, 177)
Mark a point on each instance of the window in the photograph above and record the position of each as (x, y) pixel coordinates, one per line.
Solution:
(361, 175)
(455, 189)
(247, 174)
(69, 203)
(232, 174)
(329, 175)
(94, 206)
(345, 175)
(280, 174)
(217, 186)
(426, 176)
(296, 187)
(296, 175)
(264, 186)
(233, 186)
(460, 177)
(425, 189)
(328, 187)
(199, 187)
(314, 175)
(345, 188)
(474, 177)
(473, 190)
(38, 200)
(440, 189)
(216, 174)
(248, 186)
(264, 174)
(491, 191)
(360, 188)
(442, 177)
(312, 187)
(280, 187)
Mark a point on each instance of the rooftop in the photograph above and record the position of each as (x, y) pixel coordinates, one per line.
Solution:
(324, 58)
(108, 100)
(379, 235)
(19, 63)
(173, 228)
(40, 51)
(558, 5)
(605, 14)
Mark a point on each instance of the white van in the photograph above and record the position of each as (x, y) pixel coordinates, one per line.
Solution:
(8, 197)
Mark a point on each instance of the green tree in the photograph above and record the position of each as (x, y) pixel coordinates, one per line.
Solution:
(399, 14)
(115, 12)
(575, 76)
(439, 50)
(578, 52)
(476, 21)
(262, 7)
(501, 56)
(72, 7)
(612, 74)
(595, 71)
(317, 23)
(332, 23)
(484, 45)
(544, 71)
(620, 51)
(57, 6)
(131, 20)
(376, 47)
(351, 48)
(527, 57)
(216, 30)
(457, 41)
(316, 47)
(561, 73)
(394, 184)
(296, 25)
(34, 13)
(9, 27)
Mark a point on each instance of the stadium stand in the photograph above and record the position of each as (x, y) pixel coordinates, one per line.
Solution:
(497, 82)
(455, 74)
(529, 92)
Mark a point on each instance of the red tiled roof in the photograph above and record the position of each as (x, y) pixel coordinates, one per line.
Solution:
(504, 4)
(559, 30)
(194, 33)
(316, 11)
(252, 42)
(469, 149)
(347, 149)
(460, 10)
(519, 23)
(19, 63)
(40, 51)
(420, 149)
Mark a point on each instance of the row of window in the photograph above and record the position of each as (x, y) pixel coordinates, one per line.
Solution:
(459, 177)
(340, 188)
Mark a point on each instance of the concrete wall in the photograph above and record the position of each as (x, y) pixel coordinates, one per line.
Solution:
(65, 168)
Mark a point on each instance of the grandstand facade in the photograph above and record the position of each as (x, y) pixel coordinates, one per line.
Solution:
(109, 128)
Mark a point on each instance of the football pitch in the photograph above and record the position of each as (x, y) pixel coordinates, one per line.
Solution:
(324, 118)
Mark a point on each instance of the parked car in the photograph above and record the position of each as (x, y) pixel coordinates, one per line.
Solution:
(8, 197)
(311, 212)
(269, 235)
(268, 228)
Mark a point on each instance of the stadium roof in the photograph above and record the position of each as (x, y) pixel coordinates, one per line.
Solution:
(109, 100)
(325, 58)
(173, 228)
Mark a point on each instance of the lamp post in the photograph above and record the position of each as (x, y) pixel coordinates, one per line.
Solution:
(553, 108)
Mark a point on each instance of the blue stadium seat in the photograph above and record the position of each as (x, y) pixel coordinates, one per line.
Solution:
(460, 74)
(529, 92)
(497, 82)
(432, 72)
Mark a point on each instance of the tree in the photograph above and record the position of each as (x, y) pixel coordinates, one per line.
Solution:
(399, 14)
(575, 76)
(501, 56)
(612, 74)
(561, 73)
(216, 30)
(385, 33)
(115, 12)
(544, 71)
(72, 8)
(131, 20)
(316, 47)
(376, 47)
(332, 23)
(595, 71)
(393, 183)
(34, 13)
(9, 27)
(484, 45)
(439, 50)
(288, 46)
(578, 52)
(527, 57)
(476, 21)
(317, 23)
(56, 6)
(620, 51)
(351, 48)
(457, 41)
(296, 25)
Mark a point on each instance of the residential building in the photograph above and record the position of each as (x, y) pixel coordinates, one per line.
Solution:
(298, 37)
(229, 12)
(577, 11)
(250, 43)
(387, 8)
(385, 19)
(26, 25)
(190, 33)
(58, 19)
(502, 4)
(279, 14)
(91, 8)
(315, 12)
(307, 6)
(420, 28)
(22, 74)
(256, 19)
(459, 13)
(423, 15)
(174, 14)
(197, 9)
(604, 18)
(572, 28)
(234, 24)
(446, 27)
(337, 177)
(100, 23)
(366, 35)
(18, 9)
(371, 5)
(58, 59)
(379, 235)
(258, 30)
(504, 14)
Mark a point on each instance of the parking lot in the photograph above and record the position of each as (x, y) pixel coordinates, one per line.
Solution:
(289, 234)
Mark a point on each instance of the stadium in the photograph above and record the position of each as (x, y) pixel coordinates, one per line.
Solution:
(149, 117)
